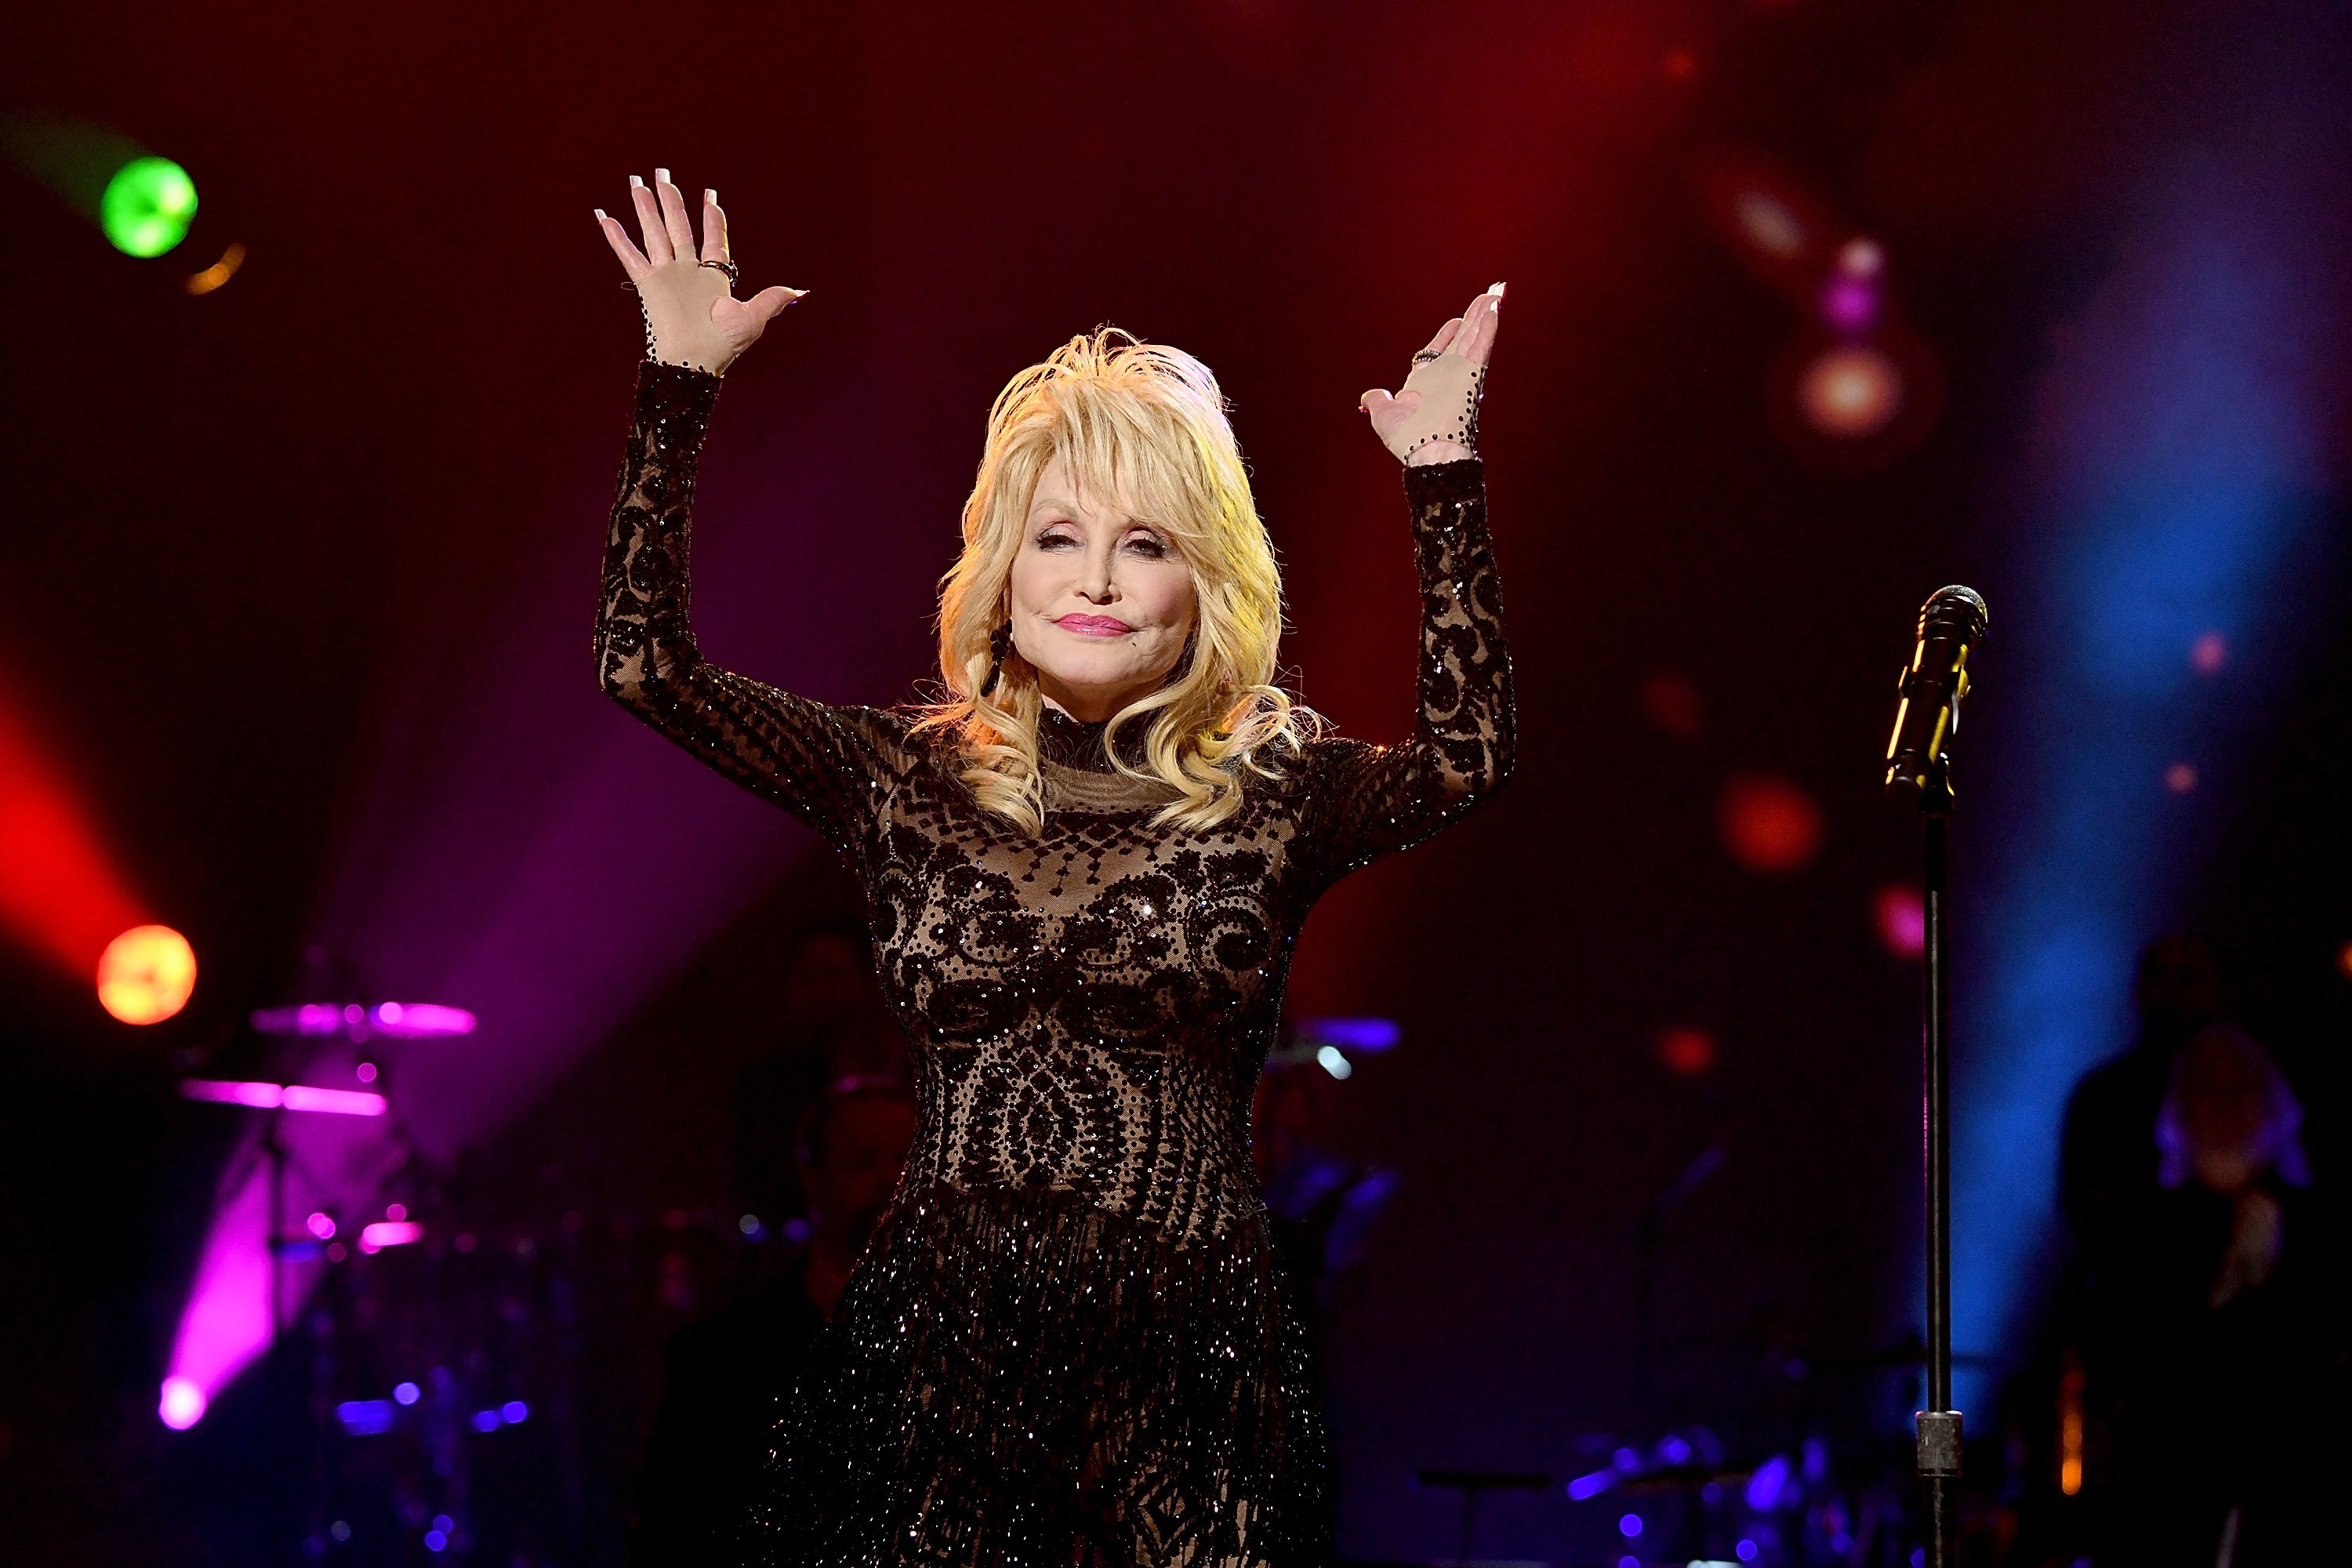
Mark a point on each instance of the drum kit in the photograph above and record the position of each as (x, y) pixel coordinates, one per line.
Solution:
(476, 1389)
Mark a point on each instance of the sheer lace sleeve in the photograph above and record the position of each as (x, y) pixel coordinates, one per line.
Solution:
(829, 766)
(1365, 801)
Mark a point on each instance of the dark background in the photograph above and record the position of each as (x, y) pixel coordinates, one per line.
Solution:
(298, 577)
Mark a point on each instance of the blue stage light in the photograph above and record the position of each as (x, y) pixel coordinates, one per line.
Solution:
(2178, 483)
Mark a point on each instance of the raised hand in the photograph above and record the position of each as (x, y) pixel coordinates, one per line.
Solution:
(1433, 418)
(692, 317)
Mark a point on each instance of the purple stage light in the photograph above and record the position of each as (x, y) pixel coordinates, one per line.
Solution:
(487, 1421)
(436, 1541)
(1765, 1486)
(322, 1225)
(407, 1392)
(1630, 1526)
(1849, 304)
(334, 1102)
(386, 1233)
(352, 1020)
(1745, 1549)
(227, 1323)
(513, 1411)
(1350, 1033)
(283, 1097)
(365, 1418)
(183, 1404)
(221, 1091)
(1591, 1485)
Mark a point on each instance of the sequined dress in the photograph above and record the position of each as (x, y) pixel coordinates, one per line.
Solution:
(1069, 1341)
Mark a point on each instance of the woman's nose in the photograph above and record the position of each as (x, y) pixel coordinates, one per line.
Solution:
(1094, 583)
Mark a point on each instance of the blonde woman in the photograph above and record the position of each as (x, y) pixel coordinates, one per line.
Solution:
(1085, 866)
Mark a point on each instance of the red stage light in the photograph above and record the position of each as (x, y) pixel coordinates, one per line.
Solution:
(1687, 1053)
(1768, 824)
(146, 975)
(1851, 391)
(2180, 777)
(60, 893)
(2344, 959)
(1672, 704)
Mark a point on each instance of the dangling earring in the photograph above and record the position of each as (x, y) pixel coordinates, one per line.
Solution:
(1000, 648)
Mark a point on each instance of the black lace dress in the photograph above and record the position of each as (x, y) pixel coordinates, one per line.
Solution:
(1069, 1341)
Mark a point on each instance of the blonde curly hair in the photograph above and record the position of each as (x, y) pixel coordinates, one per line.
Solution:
(1123, 416)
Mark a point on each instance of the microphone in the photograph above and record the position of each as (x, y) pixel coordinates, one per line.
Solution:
(1952, 626)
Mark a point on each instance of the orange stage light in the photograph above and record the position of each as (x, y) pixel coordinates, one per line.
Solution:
(1851, 391)
(147, 974)
(219, 272)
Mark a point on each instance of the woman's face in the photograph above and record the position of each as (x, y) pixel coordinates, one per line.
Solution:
(1101, 603)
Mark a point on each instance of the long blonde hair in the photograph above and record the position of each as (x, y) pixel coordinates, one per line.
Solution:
(1123, 414)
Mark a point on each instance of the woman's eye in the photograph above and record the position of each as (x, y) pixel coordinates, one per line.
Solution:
(1145, 545)
(1053, 540)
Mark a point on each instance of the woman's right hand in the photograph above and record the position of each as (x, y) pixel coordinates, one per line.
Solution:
(692, 317)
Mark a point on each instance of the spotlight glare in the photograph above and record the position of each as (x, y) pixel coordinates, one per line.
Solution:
(1850, 391)
(183, 1404)
(2180, 777)
(2209, 654)
(1687, 1053)
(219, 272)
(1901, 918)
(148, 206)
(1768, 824)
(1672, 705)
(1770, 223)
(146, 975)
(1860, 257)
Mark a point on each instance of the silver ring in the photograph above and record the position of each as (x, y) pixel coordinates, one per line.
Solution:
(734, 274)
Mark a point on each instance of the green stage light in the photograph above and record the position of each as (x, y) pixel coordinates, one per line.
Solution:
(147, 206)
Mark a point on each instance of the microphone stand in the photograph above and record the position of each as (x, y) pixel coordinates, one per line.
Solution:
(1939, 1424)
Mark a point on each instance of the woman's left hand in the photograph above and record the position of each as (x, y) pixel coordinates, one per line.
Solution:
(1433, 418)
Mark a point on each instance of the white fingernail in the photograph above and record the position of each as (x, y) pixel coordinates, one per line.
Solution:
(1496, 290)
(600, 214)
(636, 183)
(711, 194)
(661, 176)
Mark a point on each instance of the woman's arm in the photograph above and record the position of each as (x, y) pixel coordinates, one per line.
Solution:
(1366, 801)
(827, 765)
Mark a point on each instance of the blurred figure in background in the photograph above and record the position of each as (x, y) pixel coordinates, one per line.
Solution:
(724, 1378)
(2213, 1333)
(2109, 1143)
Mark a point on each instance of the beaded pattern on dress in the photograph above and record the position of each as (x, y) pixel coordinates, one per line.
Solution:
(1088, 1010)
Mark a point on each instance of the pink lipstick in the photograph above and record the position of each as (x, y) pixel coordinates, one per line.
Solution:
(1094, 625)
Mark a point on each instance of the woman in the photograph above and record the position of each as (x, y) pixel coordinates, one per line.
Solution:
(1084, 867)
